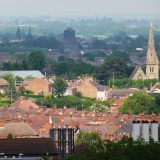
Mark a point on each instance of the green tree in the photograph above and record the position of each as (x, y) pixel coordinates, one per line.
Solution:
(129, 83)
(36, 60)
(59, 86)
(10, 136)
(101, 106)
(11, 80)
(139, 102)
(46, 101)
(112, 66)
(124, 149)
(87, 138)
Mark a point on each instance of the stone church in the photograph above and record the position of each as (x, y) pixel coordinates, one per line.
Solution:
(152, 63)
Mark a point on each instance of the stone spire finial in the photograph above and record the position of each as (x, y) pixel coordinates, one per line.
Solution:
(151, 53)
(152, 63)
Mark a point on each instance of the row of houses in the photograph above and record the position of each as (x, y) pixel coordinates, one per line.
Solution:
(87, 86)
(25, 119)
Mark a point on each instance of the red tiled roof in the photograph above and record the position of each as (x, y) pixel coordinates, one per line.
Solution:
(24, 104)
(17, 129)
(3, 82)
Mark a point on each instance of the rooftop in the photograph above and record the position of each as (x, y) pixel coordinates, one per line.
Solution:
(28, 147)
(25, 73)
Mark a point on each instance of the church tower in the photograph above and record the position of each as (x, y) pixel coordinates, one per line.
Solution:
(152, 63)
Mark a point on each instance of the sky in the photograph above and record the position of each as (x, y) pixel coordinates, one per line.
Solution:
(79, 7)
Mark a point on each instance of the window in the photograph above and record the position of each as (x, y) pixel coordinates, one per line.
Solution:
(152, 69)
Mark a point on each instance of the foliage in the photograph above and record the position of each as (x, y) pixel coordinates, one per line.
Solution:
(60, 86)
(124, 149)
(78, 94)
(99, 44)
(93, 54)
(11, 80)
(67, 101)
(43, 42)
(101, 106)
(129, 83)
(12, 66)
(10, 136)
(112, 66)
(4, 100)
(156, 109)
(5, 103)
(71, 69)
(36, 60)
(22, 90)
(19, 79)
(46, 101)
(138, 103)
(87, 138)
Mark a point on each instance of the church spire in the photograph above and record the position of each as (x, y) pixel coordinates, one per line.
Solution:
(151, 53)
(152, 63)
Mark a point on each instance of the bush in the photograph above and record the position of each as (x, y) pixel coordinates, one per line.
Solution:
(138, 103)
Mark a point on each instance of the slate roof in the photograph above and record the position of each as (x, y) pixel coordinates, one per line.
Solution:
(98, 86)
(28, 147)
(124, 92)
(126, 128)
(25, 73)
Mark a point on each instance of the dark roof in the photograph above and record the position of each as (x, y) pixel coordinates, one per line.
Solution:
(98, 86)
(28, 147)
(126, 128)
(124, 92)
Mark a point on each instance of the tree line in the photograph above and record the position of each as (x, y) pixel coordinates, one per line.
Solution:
(89, 146)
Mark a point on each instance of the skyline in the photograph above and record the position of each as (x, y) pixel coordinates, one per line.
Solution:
(72, 8)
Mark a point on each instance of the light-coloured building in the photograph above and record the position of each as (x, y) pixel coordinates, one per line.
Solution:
(152, 63)
(90, 88)
(24, 74)
(138, 74)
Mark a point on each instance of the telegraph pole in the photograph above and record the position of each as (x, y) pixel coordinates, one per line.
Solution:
(113, 81)
(11, 96)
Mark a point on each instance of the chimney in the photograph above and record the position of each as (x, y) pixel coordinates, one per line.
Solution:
(145, 131)
(136, 130)
(154, 130)
(50, 119)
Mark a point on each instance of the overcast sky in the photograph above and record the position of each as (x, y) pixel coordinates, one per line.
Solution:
(79, 7)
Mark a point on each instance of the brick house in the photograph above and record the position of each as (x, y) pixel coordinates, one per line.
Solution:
(38, 86)
(90, 88)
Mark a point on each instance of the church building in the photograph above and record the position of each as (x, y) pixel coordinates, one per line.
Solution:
(152, 63)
